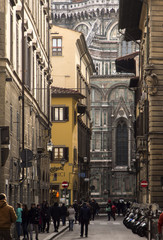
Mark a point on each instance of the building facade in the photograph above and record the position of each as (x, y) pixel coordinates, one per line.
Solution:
(25, 106)
(72, 67)
(146, 29)
(98, 20)
(64, 164)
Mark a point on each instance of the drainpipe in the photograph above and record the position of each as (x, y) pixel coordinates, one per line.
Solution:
(23, 80)
(147, 105)
(49, 96)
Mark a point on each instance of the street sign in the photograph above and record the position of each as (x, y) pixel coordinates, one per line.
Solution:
(144, 184)
(82, 175)
(26, 155)
(65, 184)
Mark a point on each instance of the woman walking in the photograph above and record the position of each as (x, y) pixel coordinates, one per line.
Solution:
(71, 217)
(18, 220)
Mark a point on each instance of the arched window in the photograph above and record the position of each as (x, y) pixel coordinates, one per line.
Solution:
(121, 144)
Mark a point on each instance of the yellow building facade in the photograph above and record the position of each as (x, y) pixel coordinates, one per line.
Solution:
(72, 67)
(65, 141)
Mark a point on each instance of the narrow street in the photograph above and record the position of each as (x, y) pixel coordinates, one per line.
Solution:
(101, 229)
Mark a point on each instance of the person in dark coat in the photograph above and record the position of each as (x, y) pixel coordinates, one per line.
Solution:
(34, 216)
(85, 215)
(93, 206)
(76, 207)
(63, 214)
(56, 215)
(45, 213)
(25, 221)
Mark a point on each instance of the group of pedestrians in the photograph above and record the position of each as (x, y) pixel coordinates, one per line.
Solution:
(37, 218)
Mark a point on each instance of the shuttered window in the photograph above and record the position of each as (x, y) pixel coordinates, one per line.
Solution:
(59, 114)
(57, 47)
(60, 153)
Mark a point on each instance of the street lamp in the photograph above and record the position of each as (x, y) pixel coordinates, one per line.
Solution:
(50, 146)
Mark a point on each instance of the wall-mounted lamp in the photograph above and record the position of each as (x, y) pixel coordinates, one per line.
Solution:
(50, 146)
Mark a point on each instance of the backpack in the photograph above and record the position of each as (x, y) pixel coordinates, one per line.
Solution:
(114, 208)
(108, 209)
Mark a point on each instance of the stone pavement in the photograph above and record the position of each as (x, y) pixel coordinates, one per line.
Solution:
(51, 235)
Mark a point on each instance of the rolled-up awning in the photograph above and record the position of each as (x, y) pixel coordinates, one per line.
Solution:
(126, 63)
(129, 17)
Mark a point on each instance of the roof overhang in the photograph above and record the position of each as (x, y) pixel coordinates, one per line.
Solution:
(126, 63)
(134, 82)
(129, 17)
(81, 108)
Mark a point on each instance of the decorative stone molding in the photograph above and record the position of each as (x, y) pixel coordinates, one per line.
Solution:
(13, 2)
(34, 43)
(18, 11)
(29, 34)
(151, 79)
(25, 24)
(45, 8)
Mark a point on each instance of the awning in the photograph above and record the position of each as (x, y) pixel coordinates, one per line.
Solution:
(81, 108)
(134, 82)
(126, 63)
(129, 17)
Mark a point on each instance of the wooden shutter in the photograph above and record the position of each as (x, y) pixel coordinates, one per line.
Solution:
(66, 153)
(66, 113)
(52, 114)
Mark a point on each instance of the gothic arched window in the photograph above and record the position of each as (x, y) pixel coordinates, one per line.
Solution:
(122, 144)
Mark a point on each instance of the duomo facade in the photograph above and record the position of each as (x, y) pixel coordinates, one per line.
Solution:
(112, 173)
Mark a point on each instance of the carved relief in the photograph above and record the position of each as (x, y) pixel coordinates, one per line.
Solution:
(151, 80)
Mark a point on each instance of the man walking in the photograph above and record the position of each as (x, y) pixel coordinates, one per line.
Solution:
(7, 217)
(56, 215)
(85, 215)
(34, 216)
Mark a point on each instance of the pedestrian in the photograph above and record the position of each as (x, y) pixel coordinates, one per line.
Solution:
(45, 213)
(7, 217)
(63, 214)
(85, 215)
(160, 224)
(71, 217)
(97, 208)
(93, 207)
(113, 211)
(108, 209)
(34, 216)
(76, 207)
(18, 220)
(56, 215)
(25, 221)
(40, 223)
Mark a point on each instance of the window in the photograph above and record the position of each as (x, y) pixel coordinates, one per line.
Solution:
(122, 144)
(60, 152)
(59, 114)
(11, 36)
(11, 118)
(97, 141)
(57, 47)
(97, 117)
(18, 127)
(55, 177)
